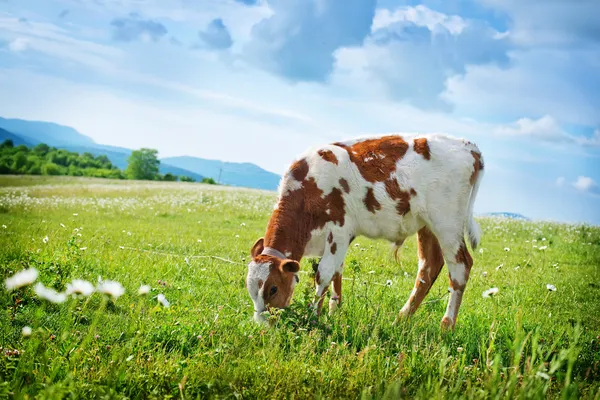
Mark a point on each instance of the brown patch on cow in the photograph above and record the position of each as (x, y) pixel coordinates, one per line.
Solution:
(371, 202)
(317, 277)
(393, 190)
(260, 283)
(299, 170)
(413, 192)
(300, 212)
(328, 156)
(344, 185)
(477, 166)
(462, 257)
(333, 248)
(330, 237)
(337, 286)
(432, 258)
(376, 158)
(422, 147)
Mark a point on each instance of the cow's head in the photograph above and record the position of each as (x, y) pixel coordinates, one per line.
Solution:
(270, 280)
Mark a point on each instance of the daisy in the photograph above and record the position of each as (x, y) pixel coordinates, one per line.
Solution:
(163, 300)
(21, 278)
(111, 288)
(143, 290)
(388, 282)
(490, 292)
(80, 287)
(26, 331)
(550, 287)
(49, 294)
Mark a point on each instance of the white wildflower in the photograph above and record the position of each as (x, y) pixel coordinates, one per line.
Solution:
(543, 239)
(21, 278)
(62, 225)
(356, 245)
(237, 236)
(143, 290)
(550, 287)
(83, 248)
(45, 240)
(80, 287)
(484, 273)
(111, 288)
(517, 267)
(543, 247)
(243, 224)
(26, 331)
(459, 349)
(481, 251)
(388, 282)
(499, 266)
(49, 294)
(506, 249)
(542, 375)
(4, 226)
(490, 292)
(371, 272)
(199, 240)
(187, 261)
(534, 241)
(75, 214)
(129, 358)
(163, 300)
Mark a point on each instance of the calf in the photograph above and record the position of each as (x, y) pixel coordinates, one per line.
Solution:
(390, 187)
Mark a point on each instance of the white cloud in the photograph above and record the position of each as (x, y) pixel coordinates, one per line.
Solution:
(419, 16)
(18, 45)
(544, 128)
(585, 184)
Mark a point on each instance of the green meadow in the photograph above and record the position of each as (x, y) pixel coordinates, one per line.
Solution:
(190, 243)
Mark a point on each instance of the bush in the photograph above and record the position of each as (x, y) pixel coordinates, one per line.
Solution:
(210, 181)
(186, 179)
(50, 169)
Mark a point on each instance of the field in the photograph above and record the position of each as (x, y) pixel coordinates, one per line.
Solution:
(191, 242)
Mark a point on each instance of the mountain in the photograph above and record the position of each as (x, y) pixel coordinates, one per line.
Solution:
(229, 173)
(507, 215)
(45, 132)
(31, 133)
(17, 140)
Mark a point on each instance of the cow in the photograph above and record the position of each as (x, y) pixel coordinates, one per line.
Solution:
(388, 186)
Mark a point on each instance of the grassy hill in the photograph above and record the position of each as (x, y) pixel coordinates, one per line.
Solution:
(191, 242)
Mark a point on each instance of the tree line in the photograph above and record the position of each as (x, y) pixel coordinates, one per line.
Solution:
(143, 164)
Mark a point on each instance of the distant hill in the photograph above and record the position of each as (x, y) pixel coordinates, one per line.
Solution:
(17, 140)
(45, 132)
(229, 173)
(31, 133)
(506, 215)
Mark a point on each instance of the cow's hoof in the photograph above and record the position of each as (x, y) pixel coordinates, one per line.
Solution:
(333, 306)
(447, 324)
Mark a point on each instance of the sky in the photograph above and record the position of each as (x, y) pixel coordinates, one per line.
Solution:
(263, 80)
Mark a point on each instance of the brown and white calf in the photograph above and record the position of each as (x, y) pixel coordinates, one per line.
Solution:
(389, 186)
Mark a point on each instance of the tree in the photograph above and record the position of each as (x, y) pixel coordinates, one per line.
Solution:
(184, 178)
(210, 181)
(169, 177)
(7, 144)
(143, 164)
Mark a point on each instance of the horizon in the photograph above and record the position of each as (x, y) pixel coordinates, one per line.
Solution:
(262, 81)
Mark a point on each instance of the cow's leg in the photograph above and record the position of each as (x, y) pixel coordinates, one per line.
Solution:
(336, 291)
(331, 263)
(459, 267)
(431, 261)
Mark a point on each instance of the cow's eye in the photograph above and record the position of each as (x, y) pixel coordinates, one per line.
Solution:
(273, 291)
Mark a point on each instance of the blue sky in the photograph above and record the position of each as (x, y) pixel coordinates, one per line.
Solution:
(260, 81)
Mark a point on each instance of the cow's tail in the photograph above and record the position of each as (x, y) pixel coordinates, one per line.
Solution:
(472, 227)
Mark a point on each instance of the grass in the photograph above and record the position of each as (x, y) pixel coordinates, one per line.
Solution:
(526, 341)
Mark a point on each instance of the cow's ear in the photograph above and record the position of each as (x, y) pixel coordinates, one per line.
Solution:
(258, 247)
(290, 266)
